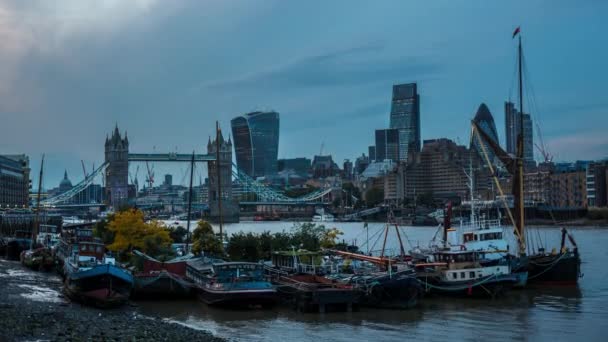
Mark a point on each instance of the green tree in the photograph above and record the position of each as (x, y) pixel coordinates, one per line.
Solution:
(307, 236)
(178, 234)
(426, 199)
(101, 230)
(244, 247)
(205, 240)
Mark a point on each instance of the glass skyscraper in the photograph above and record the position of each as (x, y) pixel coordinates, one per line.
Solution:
(485, 121)
(405, 116)
(256, 143)
(512, 126)
(387, 144)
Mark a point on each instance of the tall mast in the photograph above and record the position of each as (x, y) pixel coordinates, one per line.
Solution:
(520, 159)
(37, 219)
(190, 201)
(219, 180)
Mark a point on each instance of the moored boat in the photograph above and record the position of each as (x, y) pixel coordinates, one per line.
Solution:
(231, 284)
(40, 259)
(159, 279)
(309, 292)
(462, 273)
(93, 278)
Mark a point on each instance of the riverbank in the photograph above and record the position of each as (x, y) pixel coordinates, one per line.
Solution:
(32, 307)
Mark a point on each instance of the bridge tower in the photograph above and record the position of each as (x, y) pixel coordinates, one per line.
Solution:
(117, 169)
(230, 209)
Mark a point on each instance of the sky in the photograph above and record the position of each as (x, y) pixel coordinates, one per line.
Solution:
(165, 71)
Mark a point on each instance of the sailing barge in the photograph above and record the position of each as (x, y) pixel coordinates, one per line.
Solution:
(558, 267)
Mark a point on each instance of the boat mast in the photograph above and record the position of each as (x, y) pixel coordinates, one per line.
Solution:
(219, 180)
(189, 201)
(37, 218)
(520, 159)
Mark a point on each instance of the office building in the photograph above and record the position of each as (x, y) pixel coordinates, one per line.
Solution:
(371, 151)
(387, 144)
(300, 166)
(512, 129)
(14, 181)
(256, 143)
(485, 121)
(405, 116)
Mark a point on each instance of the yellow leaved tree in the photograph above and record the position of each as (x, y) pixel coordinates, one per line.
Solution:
(132, 232)
(329, 237)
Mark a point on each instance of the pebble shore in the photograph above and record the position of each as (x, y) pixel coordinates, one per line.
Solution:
(32, 308)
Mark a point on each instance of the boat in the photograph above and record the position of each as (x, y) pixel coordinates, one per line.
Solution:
(561, 266)
(39, 259)
(93, 278)
(462, 273)
(310, 292)
(159, 279)
(231, 284)
(322, 216)
(388, 290)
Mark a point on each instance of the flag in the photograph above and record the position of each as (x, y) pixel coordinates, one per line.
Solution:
(516, 32)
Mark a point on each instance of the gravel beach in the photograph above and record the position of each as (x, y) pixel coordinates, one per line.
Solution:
(33, 308)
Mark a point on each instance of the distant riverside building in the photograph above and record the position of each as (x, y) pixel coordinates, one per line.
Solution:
(65, 184)
(300, 166)
(117, 171)
(230, 209)
(256, 143)
(371, 151)
(597, 181)
(485, 121)
(361, 163)
(512, 129)
(14, 181)
(439, 169)
(324, 166)
(347, 169)
(387, 144)
(405, 116)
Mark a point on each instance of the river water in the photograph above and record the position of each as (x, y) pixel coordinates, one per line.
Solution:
(556, 314)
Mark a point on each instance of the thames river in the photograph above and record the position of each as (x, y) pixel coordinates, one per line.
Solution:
(557, 314)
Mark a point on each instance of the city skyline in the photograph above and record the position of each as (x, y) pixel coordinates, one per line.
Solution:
(166, 81)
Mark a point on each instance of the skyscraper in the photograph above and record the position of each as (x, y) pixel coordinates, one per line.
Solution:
(371, 150)
(512, 127)
(405, 116)
(485, 121)
(256, 143)
(387, 144)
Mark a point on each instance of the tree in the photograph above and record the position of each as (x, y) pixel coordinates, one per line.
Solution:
(244, 247)
(178, 234)
(103, 232)
(426, 199)
(307, 236)
(131, 232)
(374, 196)
(205, 240)
(329, 236)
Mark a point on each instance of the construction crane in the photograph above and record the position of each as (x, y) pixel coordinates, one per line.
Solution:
(322, 147)
(541, 147)
(150, 177)
(84, 170)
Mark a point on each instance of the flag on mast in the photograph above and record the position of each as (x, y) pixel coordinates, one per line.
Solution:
(515, 32)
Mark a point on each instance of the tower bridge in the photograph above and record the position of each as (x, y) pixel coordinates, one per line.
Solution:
(115, 170)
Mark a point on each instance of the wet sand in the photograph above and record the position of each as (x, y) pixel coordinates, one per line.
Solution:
(32, 308)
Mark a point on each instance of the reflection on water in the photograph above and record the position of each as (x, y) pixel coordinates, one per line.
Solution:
(554, 314)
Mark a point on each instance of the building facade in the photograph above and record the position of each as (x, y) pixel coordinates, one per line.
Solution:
(387, 145)
(484, 119)
(405, 116)
(439, 169)
(14, 181)
(256, 143)
(230, 208)
(324, 166)
(512, 129)
(117, 171)
(300, 166)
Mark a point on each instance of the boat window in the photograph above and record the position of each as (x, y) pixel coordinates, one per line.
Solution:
(99, 249)
(476, 237)
(471, 274)
(455, 275)
(83, 247)
(462, 275)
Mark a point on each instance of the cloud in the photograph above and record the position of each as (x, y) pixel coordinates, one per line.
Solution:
(344, 67)
(579, 146)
